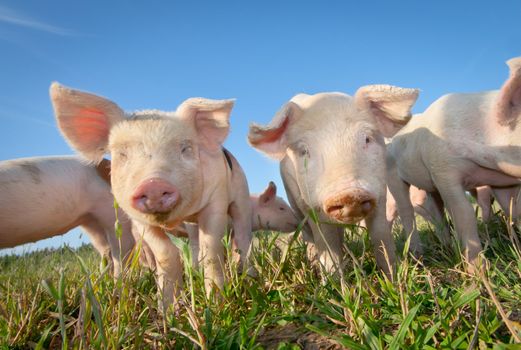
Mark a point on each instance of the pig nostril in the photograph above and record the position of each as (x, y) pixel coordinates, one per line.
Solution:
(367, 205)
(334, 208)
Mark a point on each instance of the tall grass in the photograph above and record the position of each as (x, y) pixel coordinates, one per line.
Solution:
(64, 299)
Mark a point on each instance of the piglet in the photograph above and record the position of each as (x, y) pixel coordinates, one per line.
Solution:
(332, 153)
(167, 167)
(271, 212)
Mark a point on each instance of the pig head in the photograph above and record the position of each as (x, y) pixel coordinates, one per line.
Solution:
(331, 148)
(270, 212)
(167, 167)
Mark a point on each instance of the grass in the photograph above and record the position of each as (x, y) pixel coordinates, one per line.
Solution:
(63, 299)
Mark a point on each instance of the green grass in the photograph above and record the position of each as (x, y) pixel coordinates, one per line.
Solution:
(64, 299)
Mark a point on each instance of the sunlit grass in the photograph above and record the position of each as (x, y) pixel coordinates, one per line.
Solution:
(65, 299)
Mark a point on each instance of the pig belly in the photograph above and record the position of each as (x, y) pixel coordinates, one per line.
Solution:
(476, 176)
(30, 230)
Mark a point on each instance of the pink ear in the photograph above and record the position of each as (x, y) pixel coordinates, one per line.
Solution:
(211, 119)
(391, 105)
(508, 107)
(271, 139)
(84, 119)
(269, 193)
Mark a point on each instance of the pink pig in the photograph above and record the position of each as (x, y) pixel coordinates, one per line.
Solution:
(332, 153)
(270, 212)
(43, 197)
(461, 141)
(167, 167)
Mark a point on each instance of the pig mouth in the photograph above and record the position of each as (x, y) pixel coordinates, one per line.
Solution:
(161, 217)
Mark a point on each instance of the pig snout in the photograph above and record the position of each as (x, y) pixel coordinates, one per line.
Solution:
(155, 196)
(350, 207)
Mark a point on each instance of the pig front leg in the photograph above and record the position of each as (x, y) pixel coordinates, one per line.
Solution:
(462, 214)
(241, 213)
(328, 240)
(400, 192)
(213, 222)
(193, 239)
(382, 239)
(169, 268)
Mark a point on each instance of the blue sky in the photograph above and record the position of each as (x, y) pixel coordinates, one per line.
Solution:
(153, 54)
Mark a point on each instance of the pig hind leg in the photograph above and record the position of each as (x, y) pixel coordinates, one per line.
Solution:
(100, 242)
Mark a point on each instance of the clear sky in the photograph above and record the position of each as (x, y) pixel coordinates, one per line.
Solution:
(155, 54)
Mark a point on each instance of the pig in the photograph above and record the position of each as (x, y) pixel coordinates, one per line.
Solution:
(48, 196)
(460, 142)
(270, 212)
(167, 168)
(332, 161)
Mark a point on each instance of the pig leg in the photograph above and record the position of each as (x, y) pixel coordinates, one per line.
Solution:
(169, 268)
(99, 241)
(382, 239)
(193, 239)
(291, 187)
(438, 218)
(240, 212)
(483, 197)
(507, 199)
(119, 249)
(391, 209)
(462, 214)
(400, 191)
(328, 241)
(146, 257)
(212, 221)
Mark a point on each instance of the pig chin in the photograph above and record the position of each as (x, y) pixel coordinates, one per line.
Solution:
(166, 220)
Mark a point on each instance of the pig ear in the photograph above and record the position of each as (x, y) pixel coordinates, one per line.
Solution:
(391, 105)
(211, 119)
(508, 107)
(271, 139)
(84, 120)
(269, 193)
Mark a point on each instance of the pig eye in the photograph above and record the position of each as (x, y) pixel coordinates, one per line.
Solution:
(303, 151)
(122, 155)
(282, 208)
(186, 148)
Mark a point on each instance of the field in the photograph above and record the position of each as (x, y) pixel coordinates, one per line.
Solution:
(64, 299)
